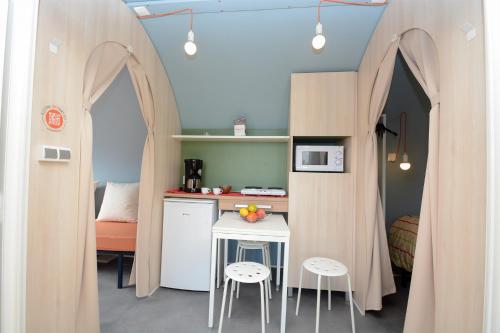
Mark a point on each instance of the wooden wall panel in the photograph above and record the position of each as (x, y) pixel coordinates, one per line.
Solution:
(53, 187)
(324, 103)
(461, 225)
(320, 217)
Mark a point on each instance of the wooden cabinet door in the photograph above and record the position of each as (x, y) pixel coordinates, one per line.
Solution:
(323, 104)
(321, 223)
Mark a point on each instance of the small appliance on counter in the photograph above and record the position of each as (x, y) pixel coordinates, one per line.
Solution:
(192, 175)
(257, 190)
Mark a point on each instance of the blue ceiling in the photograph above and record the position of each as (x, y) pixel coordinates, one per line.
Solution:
(247, 50)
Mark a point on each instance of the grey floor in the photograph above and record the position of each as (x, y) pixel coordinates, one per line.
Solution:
(170, 310)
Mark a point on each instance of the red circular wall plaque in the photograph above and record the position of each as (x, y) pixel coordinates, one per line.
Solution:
(53, 118)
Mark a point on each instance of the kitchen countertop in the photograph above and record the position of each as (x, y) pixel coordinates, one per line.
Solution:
(176, 193)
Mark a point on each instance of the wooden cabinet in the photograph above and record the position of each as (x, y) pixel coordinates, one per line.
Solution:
(321, 212)
(323, 104)
(321, 222)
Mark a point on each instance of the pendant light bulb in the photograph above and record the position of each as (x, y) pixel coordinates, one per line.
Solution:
(319, 40)
(190, 47)
(405, 164)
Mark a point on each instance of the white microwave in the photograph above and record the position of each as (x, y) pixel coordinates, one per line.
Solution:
(319, 158)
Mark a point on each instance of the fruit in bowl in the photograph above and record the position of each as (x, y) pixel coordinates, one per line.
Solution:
(252, 208)
(252, 214)
(244, 212)
(261, 213)
(252, 217)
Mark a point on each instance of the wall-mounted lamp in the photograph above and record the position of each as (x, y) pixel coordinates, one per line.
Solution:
(189, 47)
(405, 164)
(319, 39)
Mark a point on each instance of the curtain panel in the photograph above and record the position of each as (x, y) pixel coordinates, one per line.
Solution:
(104, 64)
(420, 53)
(379, 281)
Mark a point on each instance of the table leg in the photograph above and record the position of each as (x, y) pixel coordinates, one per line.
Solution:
(212, 283)
(226, 250)
(278, 266)
(284, 288)
(218, 261)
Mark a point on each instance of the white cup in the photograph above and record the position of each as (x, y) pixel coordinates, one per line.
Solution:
(217, 190)
(205, 190)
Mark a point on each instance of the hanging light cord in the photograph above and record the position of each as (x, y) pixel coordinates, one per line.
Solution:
(175, 12)
(367, 4)
(402, 131)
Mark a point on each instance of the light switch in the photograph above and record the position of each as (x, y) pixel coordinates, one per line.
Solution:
(55, 154)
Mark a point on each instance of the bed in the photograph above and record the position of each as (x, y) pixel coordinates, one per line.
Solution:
(402, 241)
(116, 238)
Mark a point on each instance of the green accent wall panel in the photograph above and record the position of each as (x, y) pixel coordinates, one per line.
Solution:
(239, 163)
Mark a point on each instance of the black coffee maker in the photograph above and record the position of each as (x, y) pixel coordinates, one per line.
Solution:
(192, 175)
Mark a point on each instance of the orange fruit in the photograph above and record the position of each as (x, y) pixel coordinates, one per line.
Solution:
(252, 217)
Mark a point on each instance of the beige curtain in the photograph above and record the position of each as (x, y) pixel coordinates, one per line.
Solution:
(103, 66)
(379, 281)
(421, 55)
(101, 69)
(148, 253)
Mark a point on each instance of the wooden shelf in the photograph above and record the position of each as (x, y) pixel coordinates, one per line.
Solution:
(232, 138)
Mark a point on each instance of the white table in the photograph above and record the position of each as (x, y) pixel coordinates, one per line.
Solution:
(272, 229)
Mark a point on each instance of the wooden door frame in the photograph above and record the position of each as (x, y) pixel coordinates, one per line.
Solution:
(17, 93)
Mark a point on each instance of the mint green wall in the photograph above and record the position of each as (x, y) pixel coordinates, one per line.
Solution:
(239, 164)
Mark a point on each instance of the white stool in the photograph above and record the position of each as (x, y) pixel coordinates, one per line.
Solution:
(329, 268)
(246, 272)
(266, 259)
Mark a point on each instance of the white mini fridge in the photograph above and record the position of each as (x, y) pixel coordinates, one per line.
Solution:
(187, 243)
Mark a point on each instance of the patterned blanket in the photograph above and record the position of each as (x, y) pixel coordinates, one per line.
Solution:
(402, 241)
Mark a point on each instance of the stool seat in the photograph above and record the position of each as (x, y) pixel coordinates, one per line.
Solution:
(247, 272)
(243, 246)
(325, 266)
(328, 268)
(252, 245)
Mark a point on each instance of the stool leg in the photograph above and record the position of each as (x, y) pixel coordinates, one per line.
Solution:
(278, 266)
(267, 263)
(267, 303)
(350, 299)
(237, 257)
(268, 258)
(317, 303)
(231, 300)
(300, 290)
(223, 305)
(240, 258)
(329, 295)
(262, 307)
